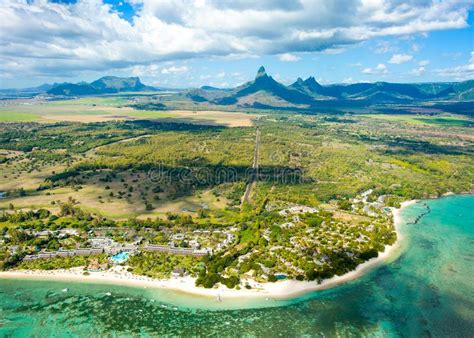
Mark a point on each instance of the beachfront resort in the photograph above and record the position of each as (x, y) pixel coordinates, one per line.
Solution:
(300, 242)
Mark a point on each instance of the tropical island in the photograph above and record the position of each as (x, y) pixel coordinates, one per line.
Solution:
(236, 189)
(208, 168)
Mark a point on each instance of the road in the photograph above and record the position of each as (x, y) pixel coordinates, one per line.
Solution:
(254, 174)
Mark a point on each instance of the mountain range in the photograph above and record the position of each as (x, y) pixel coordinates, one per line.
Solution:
(266, 91)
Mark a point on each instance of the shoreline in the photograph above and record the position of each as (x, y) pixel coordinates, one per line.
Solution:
(281, 290)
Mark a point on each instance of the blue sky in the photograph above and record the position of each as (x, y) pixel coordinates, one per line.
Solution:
(192, 43)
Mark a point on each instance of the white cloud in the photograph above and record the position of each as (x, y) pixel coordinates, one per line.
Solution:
(278, 77)
(461, 73)
(424, 63)
(41, 38)
(322, 80)
(283, 79)
(400, 58)
(150, 70)
(454, 56)
(334, 51)
(383, 47)
(420, 71)
(379, 70)
(175, 70)
(287, 57)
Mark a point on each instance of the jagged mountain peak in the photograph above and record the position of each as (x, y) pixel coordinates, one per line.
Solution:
(261, 72)
(311, 81)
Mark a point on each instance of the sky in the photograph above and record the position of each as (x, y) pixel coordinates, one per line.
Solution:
(222, 43)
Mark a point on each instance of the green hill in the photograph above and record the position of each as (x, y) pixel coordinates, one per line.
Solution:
(120, 84)
(73, 89)
(104, 85)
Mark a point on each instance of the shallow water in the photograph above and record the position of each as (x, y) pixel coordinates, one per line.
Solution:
(427, 291)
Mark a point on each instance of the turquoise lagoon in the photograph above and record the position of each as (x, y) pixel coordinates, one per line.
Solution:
(428, 290)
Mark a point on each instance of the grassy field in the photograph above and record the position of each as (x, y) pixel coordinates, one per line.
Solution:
(120, 194)
(11, 116)
(440, 120)
(94, 197)
(102, 109)
(94, 100)
(59, 111)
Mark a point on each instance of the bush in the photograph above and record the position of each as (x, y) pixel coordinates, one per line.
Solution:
(230, 282)
(368, 254)
(314, 220)
(272, 278)
(207, 280)
(345, 205)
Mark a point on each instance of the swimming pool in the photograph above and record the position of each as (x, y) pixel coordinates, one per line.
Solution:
(120, 257)
(280, 276)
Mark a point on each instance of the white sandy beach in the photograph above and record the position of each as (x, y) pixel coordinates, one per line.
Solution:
(279, 290)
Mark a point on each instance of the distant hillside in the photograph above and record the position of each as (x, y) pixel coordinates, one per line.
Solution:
(379, 91)
(386, 92)
(104, 85)
(310, 85)
(464, 90)
(120, 84)
(71, 89)
(210, 88)
(13, 93)
(266, 92)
